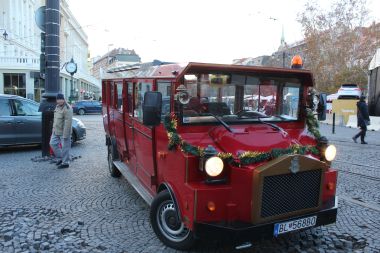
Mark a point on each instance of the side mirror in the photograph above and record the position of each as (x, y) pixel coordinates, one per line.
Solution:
(152, 107)
(322, 106)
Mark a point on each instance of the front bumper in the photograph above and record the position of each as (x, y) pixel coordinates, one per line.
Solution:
(242, 232)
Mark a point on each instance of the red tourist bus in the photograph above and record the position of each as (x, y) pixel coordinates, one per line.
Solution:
(220, 150)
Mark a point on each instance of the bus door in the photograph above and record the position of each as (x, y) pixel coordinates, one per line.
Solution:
(128, 126)
(118, 116)
(143, 138)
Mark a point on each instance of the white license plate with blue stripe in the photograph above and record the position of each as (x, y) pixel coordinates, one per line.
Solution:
(288, 226)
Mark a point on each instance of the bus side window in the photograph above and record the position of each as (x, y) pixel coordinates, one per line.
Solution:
(140, 90)
(130, 98)
(119, 97)
(112, 95)
(165, 88)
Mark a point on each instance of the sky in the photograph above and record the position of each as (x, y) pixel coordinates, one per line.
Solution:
(214, 31)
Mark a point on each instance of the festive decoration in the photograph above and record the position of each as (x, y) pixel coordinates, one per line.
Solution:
(312, 124)
(245, 158)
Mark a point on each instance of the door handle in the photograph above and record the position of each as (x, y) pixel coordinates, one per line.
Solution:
(20, 122)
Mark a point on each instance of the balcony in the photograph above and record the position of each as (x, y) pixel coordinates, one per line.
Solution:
(19, 63)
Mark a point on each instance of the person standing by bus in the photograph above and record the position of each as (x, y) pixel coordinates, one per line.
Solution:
(363, 119)
(61, 135)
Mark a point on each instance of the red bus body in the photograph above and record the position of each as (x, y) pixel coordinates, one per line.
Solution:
(239, 205)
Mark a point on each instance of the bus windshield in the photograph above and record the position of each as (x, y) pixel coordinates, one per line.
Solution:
(239, 98)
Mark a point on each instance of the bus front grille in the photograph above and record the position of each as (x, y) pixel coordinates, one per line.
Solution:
(288, 193)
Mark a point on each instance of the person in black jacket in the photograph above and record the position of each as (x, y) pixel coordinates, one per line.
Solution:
(363, 119)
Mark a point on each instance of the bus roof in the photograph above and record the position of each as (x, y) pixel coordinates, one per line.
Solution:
(178, 70)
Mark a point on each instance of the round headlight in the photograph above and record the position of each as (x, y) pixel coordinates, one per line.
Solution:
(330, 153)
(214, 166)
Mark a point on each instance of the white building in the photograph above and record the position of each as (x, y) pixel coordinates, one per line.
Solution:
(20, 52)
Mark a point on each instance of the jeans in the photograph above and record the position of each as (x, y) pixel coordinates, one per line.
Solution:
(63, 152)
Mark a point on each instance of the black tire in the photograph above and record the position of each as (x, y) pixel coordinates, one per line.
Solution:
(163, 217)
(81, 112)
(111, 167)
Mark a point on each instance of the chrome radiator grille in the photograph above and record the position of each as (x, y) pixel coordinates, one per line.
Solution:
(290, 192)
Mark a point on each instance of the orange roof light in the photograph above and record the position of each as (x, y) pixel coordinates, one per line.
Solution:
(297, 62)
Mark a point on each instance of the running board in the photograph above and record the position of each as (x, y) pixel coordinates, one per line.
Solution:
(134, 181)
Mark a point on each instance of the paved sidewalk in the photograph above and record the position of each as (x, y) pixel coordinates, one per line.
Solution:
(83, 209)
(345, 134)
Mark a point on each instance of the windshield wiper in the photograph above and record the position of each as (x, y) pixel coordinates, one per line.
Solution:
(270, 124)
(267, 123)
(280, 129)
(221, 122)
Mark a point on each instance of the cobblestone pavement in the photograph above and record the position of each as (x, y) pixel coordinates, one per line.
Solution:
(83, 209)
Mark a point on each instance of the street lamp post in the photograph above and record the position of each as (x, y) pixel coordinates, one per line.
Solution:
(48, 103)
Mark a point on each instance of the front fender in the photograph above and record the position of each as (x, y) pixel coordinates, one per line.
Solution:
(167, 186)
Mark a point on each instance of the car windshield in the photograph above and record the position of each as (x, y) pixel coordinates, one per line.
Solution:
(239, 98)
(349, 86)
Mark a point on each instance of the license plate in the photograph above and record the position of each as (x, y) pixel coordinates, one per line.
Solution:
(288, 226)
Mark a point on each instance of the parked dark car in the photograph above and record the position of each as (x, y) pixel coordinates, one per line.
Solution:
(20, 122)
(87, 106)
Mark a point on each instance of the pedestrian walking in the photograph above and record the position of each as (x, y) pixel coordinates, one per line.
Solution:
(61, 134)
(363, 119)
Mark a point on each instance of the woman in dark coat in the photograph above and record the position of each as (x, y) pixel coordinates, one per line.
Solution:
(363, 119)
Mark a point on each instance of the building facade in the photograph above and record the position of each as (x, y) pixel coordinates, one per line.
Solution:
(20, 52)
(253, 61)
(117, 58)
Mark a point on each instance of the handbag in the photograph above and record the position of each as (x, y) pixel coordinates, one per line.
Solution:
(367, 122)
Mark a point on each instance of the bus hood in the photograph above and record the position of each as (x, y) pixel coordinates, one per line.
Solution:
(260, 138)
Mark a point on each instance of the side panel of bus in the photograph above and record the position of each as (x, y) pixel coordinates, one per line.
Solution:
(118, 117)
(128, 125)
(143, 137)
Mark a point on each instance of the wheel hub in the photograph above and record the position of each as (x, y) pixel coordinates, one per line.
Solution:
(168, 223)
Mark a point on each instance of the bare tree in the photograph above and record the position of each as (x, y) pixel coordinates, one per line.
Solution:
(338, 47)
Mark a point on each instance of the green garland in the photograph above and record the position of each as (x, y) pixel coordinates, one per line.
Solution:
(245, 158)
(312, 124)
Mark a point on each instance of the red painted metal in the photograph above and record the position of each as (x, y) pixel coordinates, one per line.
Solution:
(154, 164)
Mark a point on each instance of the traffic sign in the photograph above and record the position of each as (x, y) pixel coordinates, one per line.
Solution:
(40, 18)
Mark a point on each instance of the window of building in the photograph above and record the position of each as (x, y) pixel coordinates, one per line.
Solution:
(14, 83)
(39, 88)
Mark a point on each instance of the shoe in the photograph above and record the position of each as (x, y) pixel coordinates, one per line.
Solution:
(58, 162)
(363, 142)
(63, 166)
(354, 139)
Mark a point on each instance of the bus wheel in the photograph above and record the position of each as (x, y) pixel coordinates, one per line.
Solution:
(111, 167)
(171, 231)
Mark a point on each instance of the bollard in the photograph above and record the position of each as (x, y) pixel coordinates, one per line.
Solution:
(333, 123)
